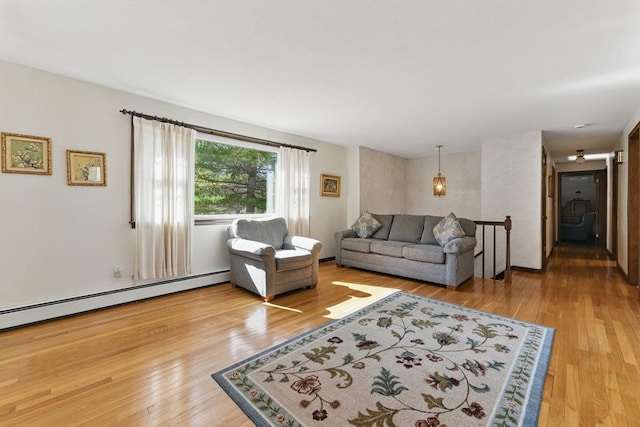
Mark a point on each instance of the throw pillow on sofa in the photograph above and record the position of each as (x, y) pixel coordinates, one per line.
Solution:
(448, 229)
(366, 225)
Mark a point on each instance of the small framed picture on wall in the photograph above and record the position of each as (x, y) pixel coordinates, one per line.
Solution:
(330, 185)
(26, 154)
(86, 168)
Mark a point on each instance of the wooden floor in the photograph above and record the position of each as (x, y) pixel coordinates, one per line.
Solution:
(149, 363)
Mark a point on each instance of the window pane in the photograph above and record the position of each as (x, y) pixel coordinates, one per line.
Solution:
(231, 179)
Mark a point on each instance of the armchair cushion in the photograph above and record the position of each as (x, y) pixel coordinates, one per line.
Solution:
(268, 231)
(581, 231)
(292, 259)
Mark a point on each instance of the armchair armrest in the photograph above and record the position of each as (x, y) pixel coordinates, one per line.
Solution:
(300, 242)
(250, 249)
(460, 245)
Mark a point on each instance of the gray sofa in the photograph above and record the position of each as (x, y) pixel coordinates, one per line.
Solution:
(406, 246)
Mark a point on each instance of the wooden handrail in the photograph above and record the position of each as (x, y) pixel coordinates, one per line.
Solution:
(507, 226)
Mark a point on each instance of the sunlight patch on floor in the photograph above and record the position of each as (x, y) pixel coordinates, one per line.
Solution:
(366, 295)
(270, 304)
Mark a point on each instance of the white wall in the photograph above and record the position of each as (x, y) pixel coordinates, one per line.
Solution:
(623, 189)
(59, 241)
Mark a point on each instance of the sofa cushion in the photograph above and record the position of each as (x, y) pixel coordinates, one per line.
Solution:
(448, 229)
(292, 259)
(388, 247)
(425, 253)
(430, 222)
(468, 226)
(407, 228)
(383, 232)
(356, 244)
(366, 225)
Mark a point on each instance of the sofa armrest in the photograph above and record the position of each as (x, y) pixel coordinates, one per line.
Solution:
(343, 234)
(250, 249)
(312, 245)
(460, 245)
(338, 236)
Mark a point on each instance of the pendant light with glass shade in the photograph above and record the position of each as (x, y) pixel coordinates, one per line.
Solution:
(439, 181)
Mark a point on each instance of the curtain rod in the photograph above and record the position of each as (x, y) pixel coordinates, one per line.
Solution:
(216, 132)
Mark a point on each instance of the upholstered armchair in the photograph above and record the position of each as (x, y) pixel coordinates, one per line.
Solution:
(581, 231)
(266, 260)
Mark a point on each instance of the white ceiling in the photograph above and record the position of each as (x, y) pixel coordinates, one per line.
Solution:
(395, 76)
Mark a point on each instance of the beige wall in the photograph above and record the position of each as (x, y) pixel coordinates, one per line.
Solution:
(59, 241)
(391, 184)
(511, 185)
(462, 171)
(382, 182)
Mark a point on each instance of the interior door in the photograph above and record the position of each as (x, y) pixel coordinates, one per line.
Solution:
(601, 207)
(580, 192)
(633, 205)
(543, 205)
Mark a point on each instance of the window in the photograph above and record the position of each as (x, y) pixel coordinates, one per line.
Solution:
(233, 179)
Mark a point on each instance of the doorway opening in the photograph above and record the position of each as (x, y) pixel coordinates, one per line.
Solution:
(582, 205)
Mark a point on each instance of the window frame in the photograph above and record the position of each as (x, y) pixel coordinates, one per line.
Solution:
(223, 219)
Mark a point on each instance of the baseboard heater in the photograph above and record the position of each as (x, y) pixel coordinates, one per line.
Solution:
(25, 315)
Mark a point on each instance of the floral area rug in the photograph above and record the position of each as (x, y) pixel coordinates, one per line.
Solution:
(404, 360)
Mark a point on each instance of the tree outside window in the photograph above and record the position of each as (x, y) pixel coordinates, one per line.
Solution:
(233, 180)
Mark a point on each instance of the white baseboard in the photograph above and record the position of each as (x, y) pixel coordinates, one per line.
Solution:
(38, 312)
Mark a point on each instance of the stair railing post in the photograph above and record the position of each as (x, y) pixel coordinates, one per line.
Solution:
(507, 227)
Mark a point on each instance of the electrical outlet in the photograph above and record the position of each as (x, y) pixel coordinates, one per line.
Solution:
(117, 271)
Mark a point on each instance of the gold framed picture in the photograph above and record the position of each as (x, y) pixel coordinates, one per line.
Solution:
(330, 185)
(26, 154)
(86, 168)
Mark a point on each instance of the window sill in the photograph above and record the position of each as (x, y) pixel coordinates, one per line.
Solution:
(226, 219)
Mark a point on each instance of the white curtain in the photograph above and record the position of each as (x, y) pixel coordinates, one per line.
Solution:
(163, 198)
(293, 182)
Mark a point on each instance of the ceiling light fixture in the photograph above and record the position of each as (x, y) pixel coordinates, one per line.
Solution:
(439, 181)
(581, 125)
(580, 157)
(587, 157)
